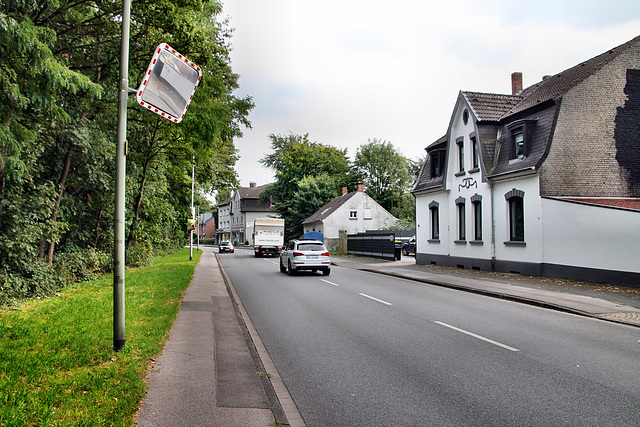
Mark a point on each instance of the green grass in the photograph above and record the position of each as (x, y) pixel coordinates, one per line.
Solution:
(57, 363)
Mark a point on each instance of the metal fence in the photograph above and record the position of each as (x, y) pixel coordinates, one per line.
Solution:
(374, 244)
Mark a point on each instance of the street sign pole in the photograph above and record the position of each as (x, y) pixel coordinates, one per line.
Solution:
(119, 222)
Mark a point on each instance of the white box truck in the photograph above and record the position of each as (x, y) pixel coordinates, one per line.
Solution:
(268, 236)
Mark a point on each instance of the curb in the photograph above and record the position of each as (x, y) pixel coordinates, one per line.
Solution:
(505, 296)
(283, 407)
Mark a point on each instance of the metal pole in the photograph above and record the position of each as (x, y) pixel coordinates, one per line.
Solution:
(193, 174)
(198, 234)
(118, 256)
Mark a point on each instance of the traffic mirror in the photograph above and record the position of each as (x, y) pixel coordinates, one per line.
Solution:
(168, 84)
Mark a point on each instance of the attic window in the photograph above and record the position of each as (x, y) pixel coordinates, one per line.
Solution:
(520, 138)
(465, 116)
(353, 214)
(436, 164)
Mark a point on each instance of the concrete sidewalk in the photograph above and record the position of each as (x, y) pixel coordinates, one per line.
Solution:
(206, 374)
(604, 302)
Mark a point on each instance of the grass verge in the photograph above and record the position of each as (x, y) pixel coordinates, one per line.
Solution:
(57, 364)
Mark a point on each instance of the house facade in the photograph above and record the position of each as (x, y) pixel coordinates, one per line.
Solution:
(545, 181)
(350, 213)
(237, 215)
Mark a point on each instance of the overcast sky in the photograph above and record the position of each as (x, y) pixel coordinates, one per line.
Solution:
(346, 71)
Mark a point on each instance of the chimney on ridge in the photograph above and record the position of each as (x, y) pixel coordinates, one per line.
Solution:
(360, 188)
(252, 185)
(345, 190)
(516, 83)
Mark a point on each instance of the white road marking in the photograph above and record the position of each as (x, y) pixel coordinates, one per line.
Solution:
(375, 299)
(478, 336)
(331, 283)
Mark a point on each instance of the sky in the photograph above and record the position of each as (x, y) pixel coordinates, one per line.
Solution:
(347, 71)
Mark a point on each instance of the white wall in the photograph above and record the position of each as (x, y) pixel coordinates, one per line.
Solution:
(591, 236)
(339, 219)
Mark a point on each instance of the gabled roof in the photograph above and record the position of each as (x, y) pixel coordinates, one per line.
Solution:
(491, 106)
(322, 213)
(251, 192)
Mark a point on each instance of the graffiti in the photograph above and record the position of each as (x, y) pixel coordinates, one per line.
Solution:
(468, 183)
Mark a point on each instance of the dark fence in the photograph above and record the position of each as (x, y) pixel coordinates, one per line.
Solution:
(374, 244)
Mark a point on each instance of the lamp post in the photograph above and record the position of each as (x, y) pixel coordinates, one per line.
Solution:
(119, 217)
(192, 211)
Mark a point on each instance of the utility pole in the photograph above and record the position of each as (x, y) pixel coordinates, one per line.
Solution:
(119, 220)
(192, 211)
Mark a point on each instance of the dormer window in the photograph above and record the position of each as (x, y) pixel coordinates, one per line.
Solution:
(520, 136)
(518, 145)
(436, 164)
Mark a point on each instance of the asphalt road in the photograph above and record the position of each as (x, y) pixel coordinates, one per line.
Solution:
(361, 349)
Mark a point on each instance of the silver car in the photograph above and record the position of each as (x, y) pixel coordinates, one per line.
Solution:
(309, 255)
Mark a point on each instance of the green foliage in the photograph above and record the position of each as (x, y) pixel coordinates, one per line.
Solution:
(294, 157)
(57, 364)
(59, 74)
(386, 175)
(313, 193)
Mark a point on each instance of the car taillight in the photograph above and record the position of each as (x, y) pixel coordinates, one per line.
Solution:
(298, 254)
(325, 253)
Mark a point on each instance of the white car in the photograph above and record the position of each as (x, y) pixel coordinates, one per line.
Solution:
(225, 246)
(309, 255)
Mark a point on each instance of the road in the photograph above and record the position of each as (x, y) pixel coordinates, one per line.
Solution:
(361, 349)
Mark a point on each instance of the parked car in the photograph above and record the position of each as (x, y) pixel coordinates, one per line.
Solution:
(225, 246)
(409, 247)
(305, 254)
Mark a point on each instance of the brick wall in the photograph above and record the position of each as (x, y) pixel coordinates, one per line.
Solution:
(585, 157)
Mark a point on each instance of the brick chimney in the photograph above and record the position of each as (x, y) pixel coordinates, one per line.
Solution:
(345, 190)
(360, 188)
(516, 83)
(252, 185)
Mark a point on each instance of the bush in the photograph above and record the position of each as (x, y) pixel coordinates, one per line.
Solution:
(36, 279)
(207, 241)
(139, 254)
(82, 264)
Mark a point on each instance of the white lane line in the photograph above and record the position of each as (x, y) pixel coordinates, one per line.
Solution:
(375, 299)
(331, 283)
(471, 334)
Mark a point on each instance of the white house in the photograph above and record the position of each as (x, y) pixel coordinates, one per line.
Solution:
(349, 213)
(545, 181)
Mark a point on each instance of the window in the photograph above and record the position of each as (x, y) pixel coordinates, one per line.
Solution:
(436, 164)
(435, 220)
(515, 200)
(476, 200)
(460, 142)
(460, 203)
(367, 213)
(520, 136)
(476, 153)
(518, 145)
(353, 214)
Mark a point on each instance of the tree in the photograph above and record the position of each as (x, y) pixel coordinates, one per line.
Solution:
(294, 157)
(59, 74)
(313, 193)
(386, 176)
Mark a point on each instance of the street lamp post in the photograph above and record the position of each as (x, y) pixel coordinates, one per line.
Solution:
(192, 212)
(119, 220)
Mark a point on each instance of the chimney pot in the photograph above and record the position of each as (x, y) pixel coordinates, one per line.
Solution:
(516, 83)
(252, 185)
